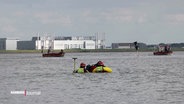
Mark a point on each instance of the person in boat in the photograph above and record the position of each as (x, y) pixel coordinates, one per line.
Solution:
(49, 50)
(42, 49)
(161, 49)
(99, 65)
(166, 48)
(81, 69)
(61, 51)
(169, 48)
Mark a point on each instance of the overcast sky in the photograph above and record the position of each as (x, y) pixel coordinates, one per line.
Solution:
(148, 21)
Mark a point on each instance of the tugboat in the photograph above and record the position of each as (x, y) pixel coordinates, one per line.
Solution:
(163, 50)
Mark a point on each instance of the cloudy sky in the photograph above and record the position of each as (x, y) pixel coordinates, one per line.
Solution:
(148, 21)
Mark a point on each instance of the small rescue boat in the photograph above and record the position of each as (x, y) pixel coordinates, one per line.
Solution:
(52, 54)
(102, 69)
(163, 50)
(60, 54)
(105, 70)
(99, 67)
(163, 53)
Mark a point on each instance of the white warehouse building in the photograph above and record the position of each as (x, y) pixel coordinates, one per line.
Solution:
(74, 44)
(57, 43)
(64, 44)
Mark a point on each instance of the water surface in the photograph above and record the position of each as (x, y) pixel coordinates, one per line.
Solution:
(136, 79)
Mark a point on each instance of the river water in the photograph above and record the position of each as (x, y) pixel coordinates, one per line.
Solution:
(137, 78)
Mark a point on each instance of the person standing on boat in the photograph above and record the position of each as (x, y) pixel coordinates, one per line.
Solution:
(166, 48)
(169, 48)
(61, 51)
(81, 69)
(49, 50)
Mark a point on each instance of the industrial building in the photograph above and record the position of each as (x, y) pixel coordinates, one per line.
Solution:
(65, 43)
(59, 42)
(122, 45)
(127, 45)
(8, 43)
(27, 45)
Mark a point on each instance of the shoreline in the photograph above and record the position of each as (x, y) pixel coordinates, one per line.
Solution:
(85, 50)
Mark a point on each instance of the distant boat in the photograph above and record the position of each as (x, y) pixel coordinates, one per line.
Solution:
(163, 53)
(52, 54)
(163, 50)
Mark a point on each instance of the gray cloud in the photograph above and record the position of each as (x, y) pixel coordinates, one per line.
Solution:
(122, 20)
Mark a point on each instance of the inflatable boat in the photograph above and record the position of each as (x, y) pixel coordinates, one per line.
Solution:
(105, 70)
(101, 69)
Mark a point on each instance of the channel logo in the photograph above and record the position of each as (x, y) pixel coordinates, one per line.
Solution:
(25, 93)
